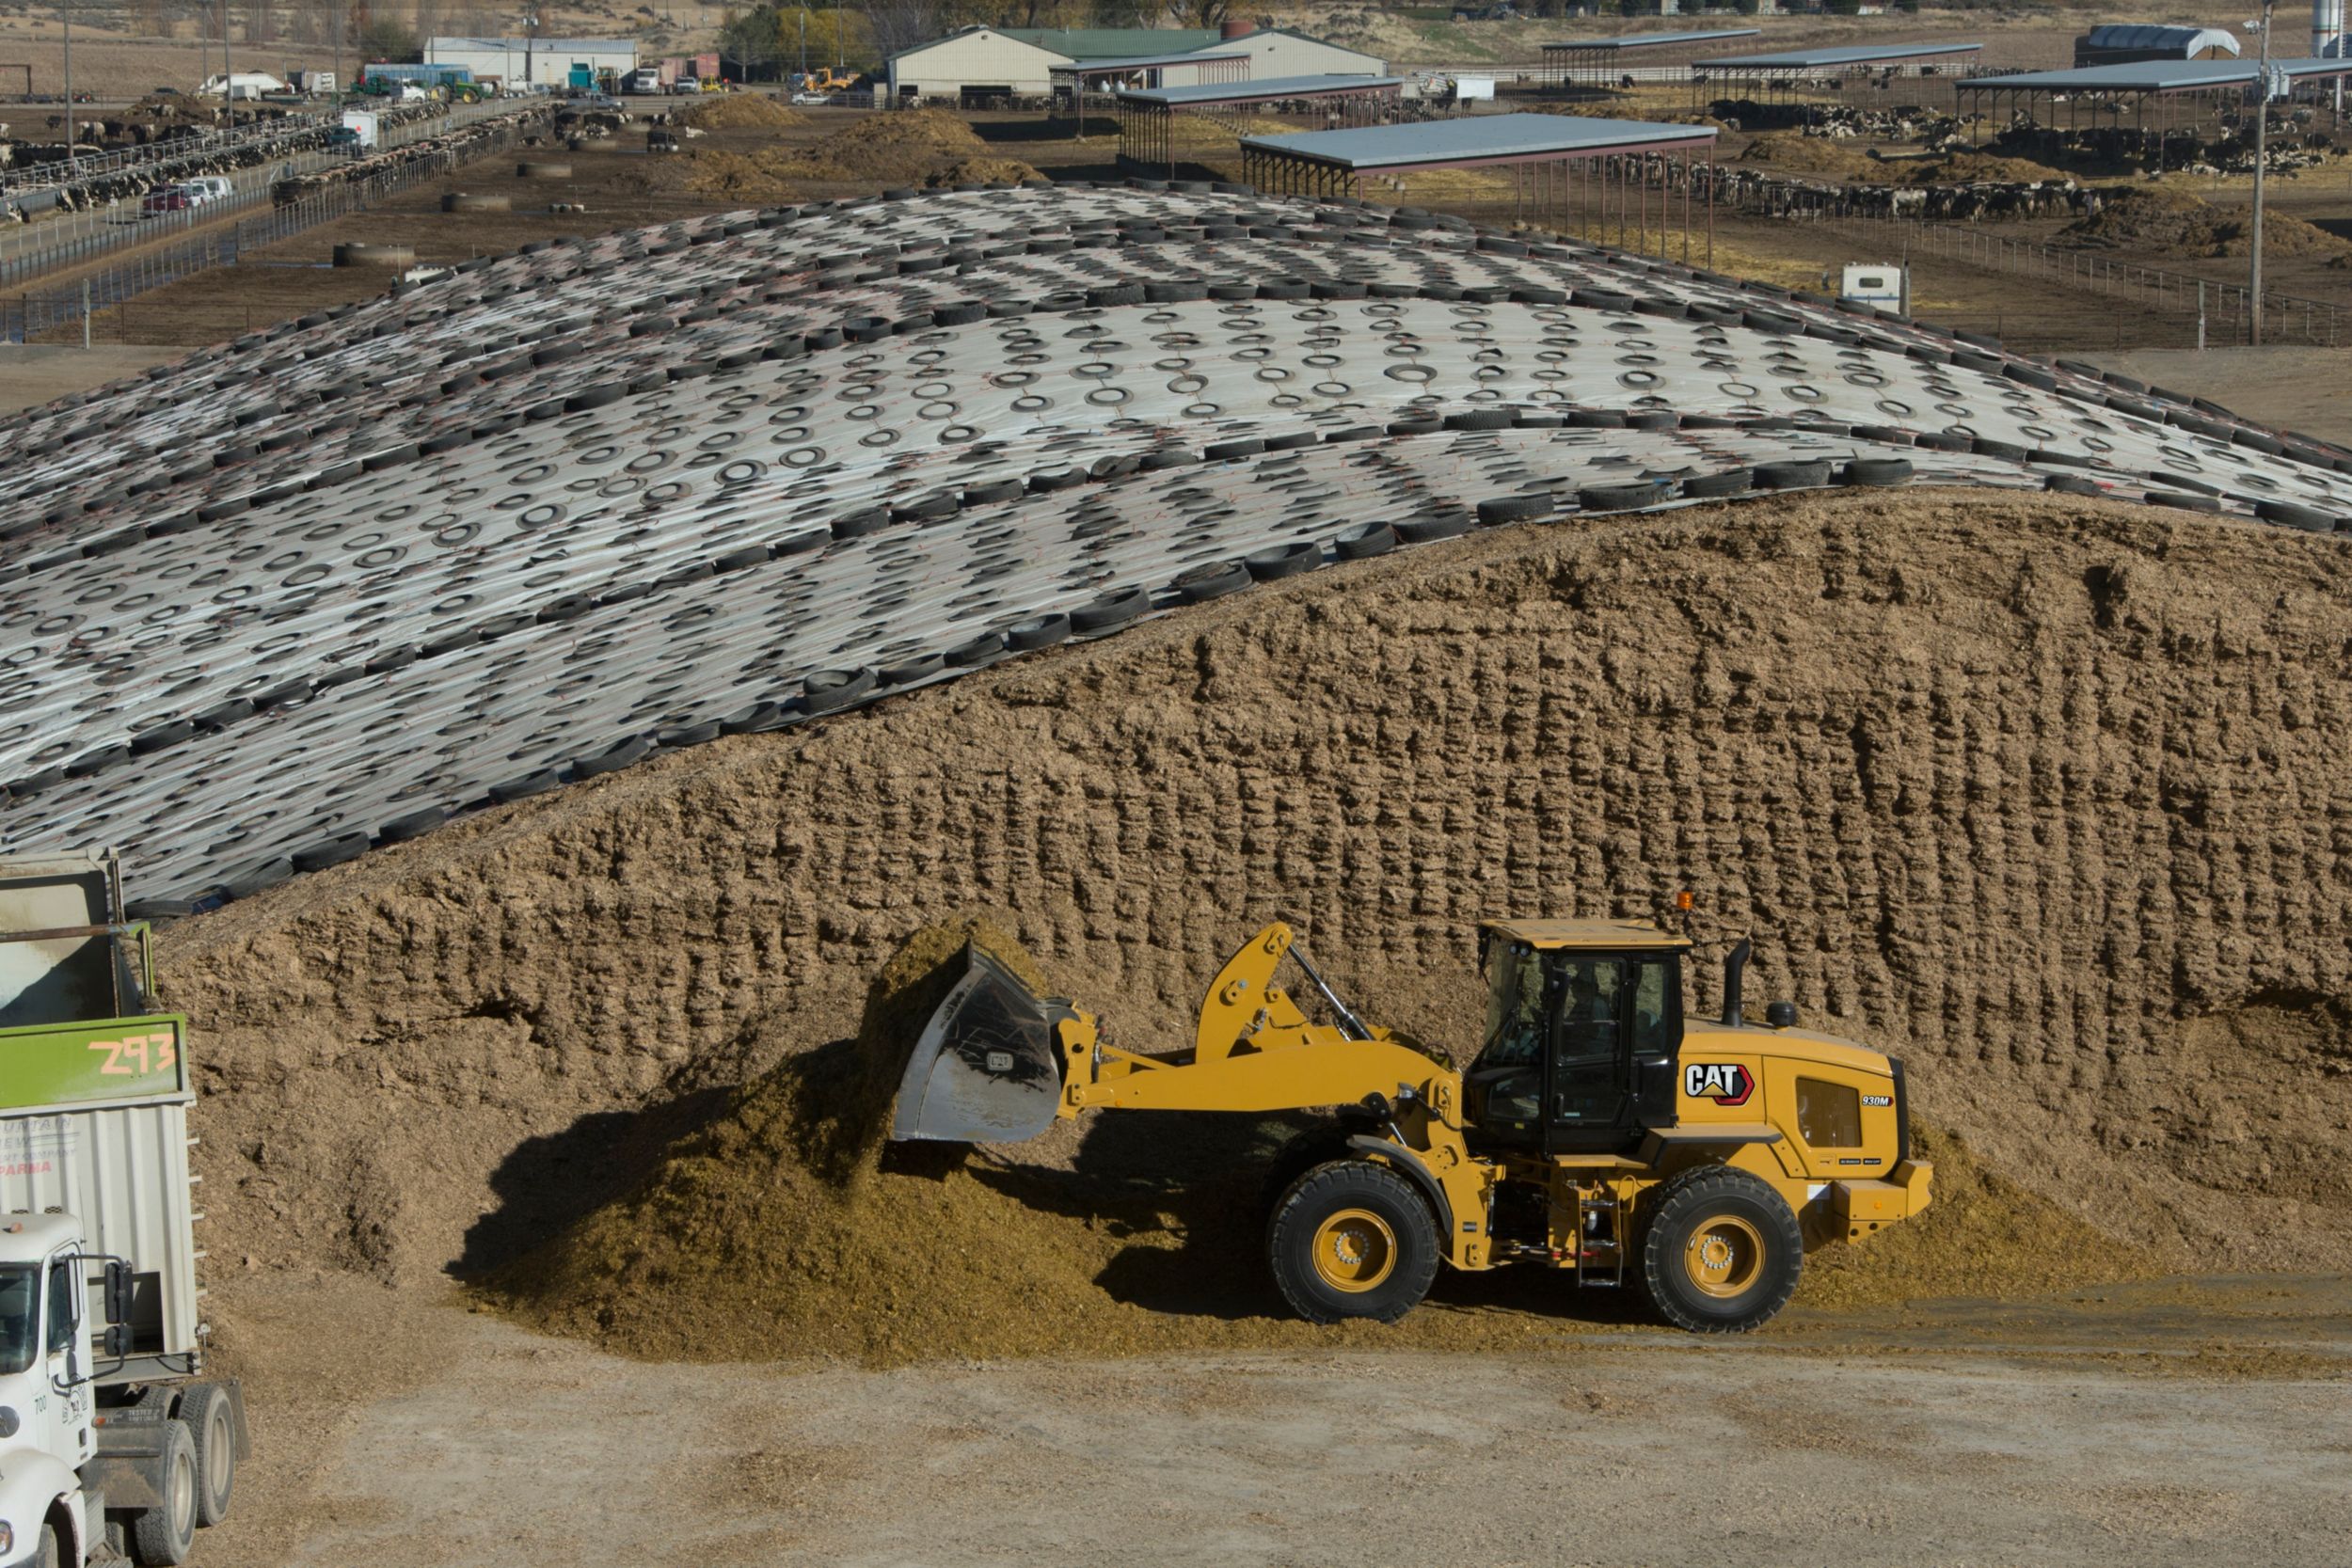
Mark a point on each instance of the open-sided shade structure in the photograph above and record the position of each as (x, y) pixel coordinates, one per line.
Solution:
(2109, 90)
(1081, 77)
(1791, 70)
(1593, 60)
(1558, 162)
(1151, 118)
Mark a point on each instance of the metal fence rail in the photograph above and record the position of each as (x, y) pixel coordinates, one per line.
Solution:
(30, 316)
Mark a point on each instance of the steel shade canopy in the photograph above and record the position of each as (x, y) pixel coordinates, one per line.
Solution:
(1823, 59)
(1209, 94)
(1479, 140)
(2155, 76)
(1653, 41)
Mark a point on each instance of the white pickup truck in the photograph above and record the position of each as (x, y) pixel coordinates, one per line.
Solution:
(114, 1445)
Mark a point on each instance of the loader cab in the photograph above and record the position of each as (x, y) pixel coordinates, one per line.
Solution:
(1583, 1025)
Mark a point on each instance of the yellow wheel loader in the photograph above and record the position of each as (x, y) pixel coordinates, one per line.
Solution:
(1597, 1131)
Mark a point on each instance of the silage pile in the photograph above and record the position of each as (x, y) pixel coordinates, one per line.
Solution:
(910, 146)
(742, 111)
(2178, 224)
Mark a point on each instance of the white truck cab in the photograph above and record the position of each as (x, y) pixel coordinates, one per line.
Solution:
(114, 1445)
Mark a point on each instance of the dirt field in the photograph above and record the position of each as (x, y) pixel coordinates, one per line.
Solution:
(1919, 1436)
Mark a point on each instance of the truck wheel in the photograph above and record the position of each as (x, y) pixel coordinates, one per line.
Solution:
(212, 1424)
(1722, 1251)
(1352, 1238)
(164, 1537)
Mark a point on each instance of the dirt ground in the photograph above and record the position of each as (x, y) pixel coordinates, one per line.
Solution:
(2121, 1426)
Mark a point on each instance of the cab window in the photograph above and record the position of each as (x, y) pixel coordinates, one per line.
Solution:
(1829, 1116)
(62, 1322)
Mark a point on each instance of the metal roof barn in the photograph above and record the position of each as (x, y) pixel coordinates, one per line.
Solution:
(1150, 121)
(2117, 43)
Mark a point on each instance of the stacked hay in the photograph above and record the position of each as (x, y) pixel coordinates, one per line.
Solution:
(2179, 224)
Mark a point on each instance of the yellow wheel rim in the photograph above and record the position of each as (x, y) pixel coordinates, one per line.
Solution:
(1725, 1256)
(1354, 1250)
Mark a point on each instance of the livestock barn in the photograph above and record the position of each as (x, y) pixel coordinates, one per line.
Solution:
(980, 63)
(2122, 42)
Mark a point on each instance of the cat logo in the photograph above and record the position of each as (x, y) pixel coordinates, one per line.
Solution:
(1724, 1083)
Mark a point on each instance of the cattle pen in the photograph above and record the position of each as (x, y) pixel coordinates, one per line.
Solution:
(2183, 92)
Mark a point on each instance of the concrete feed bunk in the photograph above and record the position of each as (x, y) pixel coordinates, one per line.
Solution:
(329, 584)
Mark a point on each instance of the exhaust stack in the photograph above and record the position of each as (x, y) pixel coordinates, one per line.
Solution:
(1734, 967)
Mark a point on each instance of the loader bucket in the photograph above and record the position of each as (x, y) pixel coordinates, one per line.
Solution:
(988, 1067)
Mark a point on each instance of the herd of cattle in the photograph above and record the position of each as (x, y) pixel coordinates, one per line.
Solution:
(41, 168)
(446, 151)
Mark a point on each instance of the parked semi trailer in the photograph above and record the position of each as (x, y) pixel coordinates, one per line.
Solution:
(114, 1443)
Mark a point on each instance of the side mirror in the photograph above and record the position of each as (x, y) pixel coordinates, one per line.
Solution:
(116, 1342)
(117, 1303)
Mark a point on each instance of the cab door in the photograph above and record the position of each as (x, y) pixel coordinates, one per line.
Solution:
(1618, 1013)
(65, 1412)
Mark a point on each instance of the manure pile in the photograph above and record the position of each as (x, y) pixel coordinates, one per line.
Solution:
(2178, 224)
(742, 111)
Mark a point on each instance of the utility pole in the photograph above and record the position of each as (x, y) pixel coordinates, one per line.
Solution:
(530, 34)
(228, 72)
(2262, 140)
(71, 139)
(803, 46)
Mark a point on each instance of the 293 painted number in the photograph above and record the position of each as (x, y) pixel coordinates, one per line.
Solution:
(137, 1055)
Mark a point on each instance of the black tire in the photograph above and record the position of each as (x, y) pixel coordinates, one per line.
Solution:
(1735, 482)
(1378, 1242)
(1721, 1252)
(1203, 583)
(166, 1535)
(205, 1410)
(1875, 471)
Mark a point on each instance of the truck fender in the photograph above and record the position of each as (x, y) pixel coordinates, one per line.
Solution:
(38, 1488)
(128, 1466)
(1414, 1166)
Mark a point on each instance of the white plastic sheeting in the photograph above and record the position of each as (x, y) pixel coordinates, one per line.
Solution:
(326, 586)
